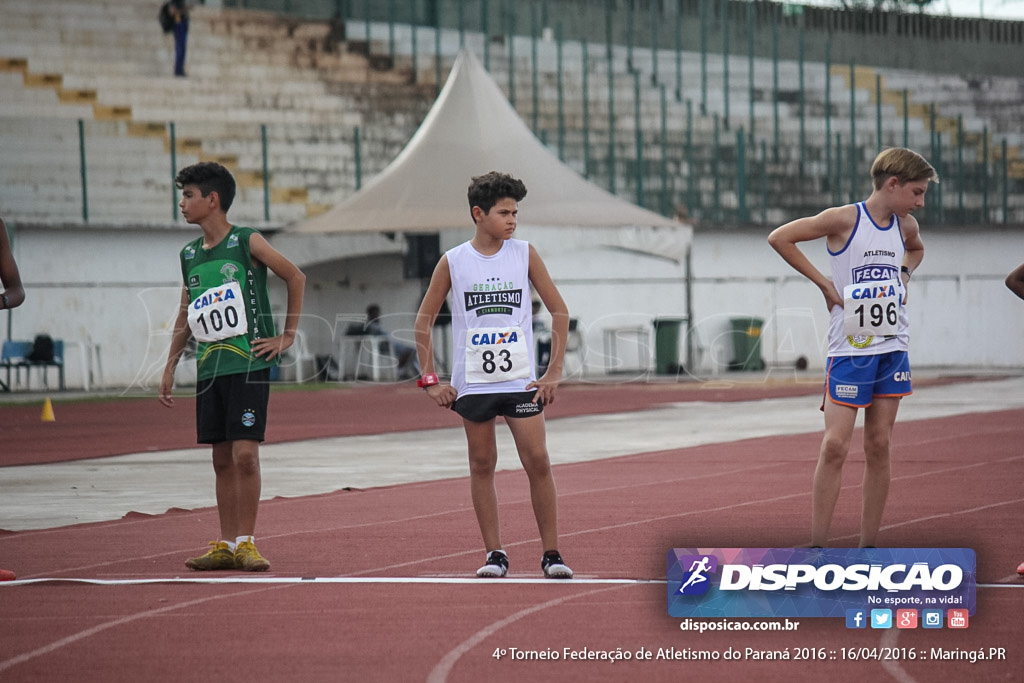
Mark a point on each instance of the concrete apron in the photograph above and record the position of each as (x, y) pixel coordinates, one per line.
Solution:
(60, 494)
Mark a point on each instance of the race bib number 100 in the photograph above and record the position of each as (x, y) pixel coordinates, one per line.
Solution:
(496, 354)
(871, 308)
(218, 313)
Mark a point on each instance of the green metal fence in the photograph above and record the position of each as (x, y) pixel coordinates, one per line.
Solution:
(716, 150)
(779, 32)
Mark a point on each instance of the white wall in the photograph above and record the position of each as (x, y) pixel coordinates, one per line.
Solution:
(110, 294)
(612, 291)
(961, 313)
(339, 290)
(114, 291)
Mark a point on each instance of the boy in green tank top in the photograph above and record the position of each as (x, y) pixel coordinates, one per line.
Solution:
(225, 306)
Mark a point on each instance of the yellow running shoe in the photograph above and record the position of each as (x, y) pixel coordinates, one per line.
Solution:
(220, 557)
(248, 559)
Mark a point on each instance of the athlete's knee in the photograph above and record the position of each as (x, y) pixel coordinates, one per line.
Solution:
(877, 442)
(482, 464)
(536, 464)
(834, 450)
(246, 457)
(877, 452)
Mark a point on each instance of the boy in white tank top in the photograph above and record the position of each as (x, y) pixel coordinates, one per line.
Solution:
(874, 248)
(489, 278)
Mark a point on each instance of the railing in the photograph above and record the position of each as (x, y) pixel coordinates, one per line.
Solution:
(741, 171)
(935, 43)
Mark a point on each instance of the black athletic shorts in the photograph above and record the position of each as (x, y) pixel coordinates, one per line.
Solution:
(232, 407)
(484, 407)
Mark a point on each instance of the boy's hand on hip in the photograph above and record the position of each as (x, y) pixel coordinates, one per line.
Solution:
(271, 347)
(832, 297)
(545, 394)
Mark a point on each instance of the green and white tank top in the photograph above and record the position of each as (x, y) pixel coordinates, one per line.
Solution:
(230, 304)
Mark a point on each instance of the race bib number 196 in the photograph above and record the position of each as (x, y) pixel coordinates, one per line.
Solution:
(218, 313)
(496, 354)
(871, 308)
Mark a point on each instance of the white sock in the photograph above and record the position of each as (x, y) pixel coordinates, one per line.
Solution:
(243, 539)
(499, 550)
(231, 544)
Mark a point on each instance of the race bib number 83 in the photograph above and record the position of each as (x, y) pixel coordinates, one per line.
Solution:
(496, 354)
(218, 313)
(871, 308)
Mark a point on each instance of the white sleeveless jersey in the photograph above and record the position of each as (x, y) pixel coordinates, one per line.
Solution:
(865, 270)
(492, 319)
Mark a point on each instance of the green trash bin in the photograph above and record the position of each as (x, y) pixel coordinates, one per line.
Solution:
(666, 345)
(746, 344)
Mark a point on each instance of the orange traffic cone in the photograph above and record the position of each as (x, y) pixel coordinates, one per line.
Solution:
(48, 411)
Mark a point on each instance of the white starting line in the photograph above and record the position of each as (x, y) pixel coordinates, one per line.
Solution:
(332, 579)
(435, 580)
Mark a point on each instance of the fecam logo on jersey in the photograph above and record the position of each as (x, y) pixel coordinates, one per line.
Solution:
(875, 273)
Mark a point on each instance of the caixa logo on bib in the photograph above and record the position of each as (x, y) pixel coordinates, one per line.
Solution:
(213, 296)
(805, 582)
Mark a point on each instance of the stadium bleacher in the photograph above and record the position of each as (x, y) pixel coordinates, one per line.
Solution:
(91, 79)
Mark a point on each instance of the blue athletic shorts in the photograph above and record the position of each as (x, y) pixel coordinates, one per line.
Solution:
(856, 380)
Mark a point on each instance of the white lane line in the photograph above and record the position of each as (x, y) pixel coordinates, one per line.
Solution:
(432, 580)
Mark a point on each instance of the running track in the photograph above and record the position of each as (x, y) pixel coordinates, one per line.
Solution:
(388, 594)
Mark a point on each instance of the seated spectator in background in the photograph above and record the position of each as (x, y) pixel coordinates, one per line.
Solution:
(404, 353)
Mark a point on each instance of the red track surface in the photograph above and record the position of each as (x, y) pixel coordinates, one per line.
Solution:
(97, 428)
(957, 483)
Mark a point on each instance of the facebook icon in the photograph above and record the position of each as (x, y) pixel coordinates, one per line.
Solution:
(856, 618)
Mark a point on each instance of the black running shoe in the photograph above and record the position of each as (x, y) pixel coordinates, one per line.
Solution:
(496, 567)
(554, 567)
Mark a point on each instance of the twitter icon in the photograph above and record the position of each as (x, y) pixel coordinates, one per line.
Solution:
(881, 618)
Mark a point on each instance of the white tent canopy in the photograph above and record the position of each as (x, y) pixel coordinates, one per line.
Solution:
(617, 265)
(470, 130)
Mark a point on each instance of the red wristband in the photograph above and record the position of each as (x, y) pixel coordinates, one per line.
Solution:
(427, 381)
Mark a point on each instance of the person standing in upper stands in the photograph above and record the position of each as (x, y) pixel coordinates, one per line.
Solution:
(179, 11)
